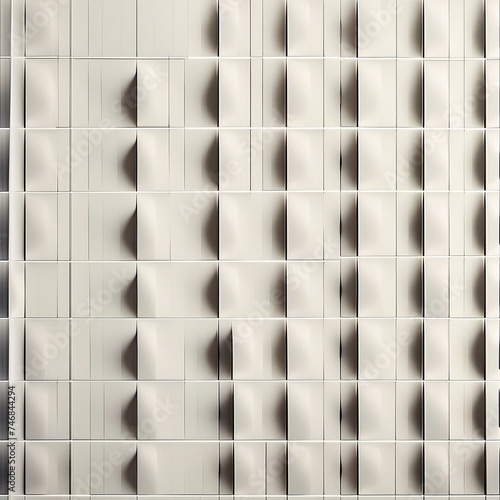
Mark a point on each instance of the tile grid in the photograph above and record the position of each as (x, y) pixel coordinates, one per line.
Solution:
(344, 317)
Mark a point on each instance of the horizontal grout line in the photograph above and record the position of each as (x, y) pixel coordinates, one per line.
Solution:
(249, 57)
(271, 318)
(326, 381)
(282, 496)
(262, 440)
(218, 192)
(245, 261)
(263, 127)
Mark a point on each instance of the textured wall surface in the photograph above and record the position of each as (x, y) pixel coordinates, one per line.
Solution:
(250, 248)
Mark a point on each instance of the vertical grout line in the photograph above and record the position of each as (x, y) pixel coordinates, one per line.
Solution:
(485, 251)
(70, 252)
(135, 282)
(422, 236)
(356, 252)
(24, 124)
(287, 471)
(450, 135)
(9, 240)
